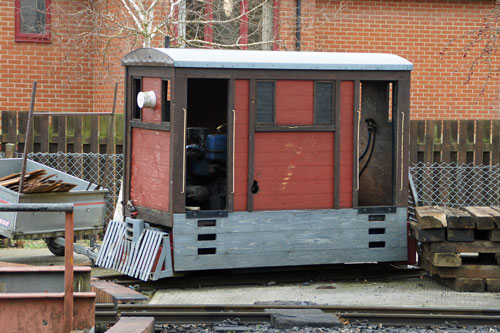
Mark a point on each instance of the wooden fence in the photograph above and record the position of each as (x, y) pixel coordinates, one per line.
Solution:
(73, 134)
(462, 141)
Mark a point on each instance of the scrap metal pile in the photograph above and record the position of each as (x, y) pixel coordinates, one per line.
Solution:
(35, 182)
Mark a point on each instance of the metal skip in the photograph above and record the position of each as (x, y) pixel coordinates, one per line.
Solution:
(135, 249)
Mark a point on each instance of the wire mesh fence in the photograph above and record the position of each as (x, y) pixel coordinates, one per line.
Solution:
(455, 185)
(91, 167)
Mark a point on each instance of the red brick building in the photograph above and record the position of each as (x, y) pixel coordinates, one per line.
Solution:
(417, 30)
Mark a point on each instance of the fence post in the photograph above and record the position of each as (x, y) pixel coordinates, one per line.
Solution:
(10, 152)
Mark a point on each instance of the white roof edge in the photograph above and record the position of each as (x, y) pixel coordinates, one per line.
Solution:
(252, 59)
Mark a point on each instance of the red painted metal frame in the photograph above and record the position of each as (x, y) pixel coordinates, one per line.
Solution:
(40, 312)
(32, 38)
(68, 271)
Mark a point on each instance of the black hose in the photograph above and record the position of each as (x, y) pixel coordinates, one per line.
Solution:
(372, 131)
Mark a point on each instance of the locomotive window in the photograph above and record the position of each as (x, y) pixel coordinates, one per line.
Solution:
(165, 98)
(265, 102)
(323, 102)
(136, 89)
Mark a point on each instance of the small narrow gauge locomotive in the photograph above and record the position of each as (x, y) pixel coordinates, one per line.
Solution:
(263, 159)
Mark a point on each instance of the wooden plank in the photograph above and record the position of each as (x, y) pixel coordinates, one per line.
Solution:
(493, 285)
(292, 240)
(446, 144)
(459, 235)
(61, 134)
(465, 284)
(458, 219)
(495, 142)
(413, 143)
(22, 123)
(477, 246)
(494, 213)
(251, 143)
(287, 258)
(444, 259)
(421, 138)
(484, 221)
(494, 235)
(453, 139)
(478, 143)
(430, 217)
(429, 141)
(77, 142)
(94, 137)
(462, 142)
(336, 163)
(278, 221)
(9, 127)
(427, 235)
(463, 271)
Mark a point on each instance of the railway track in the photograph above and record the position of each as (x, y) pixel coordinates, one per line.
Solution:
(107, 314)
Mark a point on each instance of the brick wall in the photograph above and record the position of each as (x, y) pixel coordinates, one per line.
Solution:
(61, 86)
(414, 29)
(418, 30)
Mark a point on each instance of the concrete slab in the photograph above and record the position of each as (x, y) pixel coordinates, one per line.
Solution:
(37, 257)
(413, 292)
(289, 318)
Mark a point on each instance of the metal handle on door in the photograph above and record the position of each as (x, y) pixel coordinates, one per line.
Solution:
(357, 152)
(184, 153)
(234, 140)
(402, 148)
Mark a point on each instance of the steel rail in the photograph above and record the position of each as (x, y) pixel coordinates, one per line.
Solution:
(253, 314)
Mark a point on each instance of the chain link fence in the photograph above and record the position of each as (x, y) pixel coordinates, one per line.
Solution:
(455, 185)
(91, 167)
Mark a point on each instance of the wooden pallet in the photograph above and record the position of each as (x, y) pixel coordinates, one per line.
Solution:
(460, 247)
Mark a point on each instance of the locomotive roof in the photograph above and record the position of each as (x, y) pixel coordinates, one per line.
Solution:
(239, 59)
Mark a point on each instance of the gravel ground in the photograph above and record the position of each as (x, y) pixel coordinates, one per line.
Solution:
(264, 328)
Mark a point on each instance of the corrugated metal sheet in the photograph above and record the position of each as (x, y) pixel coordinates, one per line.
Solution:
(239, 59)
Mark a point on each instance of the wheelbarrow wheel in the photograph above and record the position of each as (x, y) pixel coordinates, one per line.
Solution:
(57, 250)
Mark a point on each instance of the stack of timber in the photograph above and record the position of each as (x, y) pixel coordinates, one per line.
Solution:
(35, 182)
(460, 246)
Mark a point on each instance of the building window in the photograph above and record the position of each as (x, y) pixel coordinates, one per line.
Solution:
(243, 24)
(32, 21)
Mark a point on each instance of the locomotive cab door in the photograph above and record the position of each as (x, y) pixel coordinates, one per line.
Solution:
(381, 137)
(207, 144)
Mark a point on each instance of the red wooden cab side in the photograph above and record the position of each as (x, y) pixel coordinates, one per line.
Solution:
(150, 165)
(345, 134)
(294, 170)
(242, 91)
(294, 102)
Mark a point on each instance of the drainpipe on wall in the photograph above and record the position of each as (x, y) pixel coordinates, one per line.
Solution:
(298, 17)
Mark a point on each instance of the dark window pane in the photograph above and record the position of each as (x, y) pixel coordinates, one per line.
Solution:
(265, 102)
(165, 100)
(323, 103)
(136, 89)
(32, 16)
